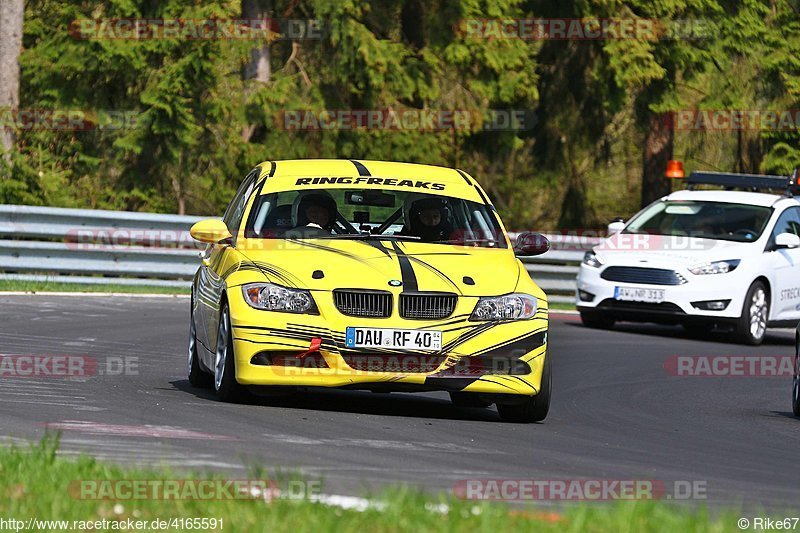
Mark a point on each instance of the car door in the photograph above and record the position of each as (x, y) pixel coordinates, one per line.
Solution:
(784, 264)
(210, 272)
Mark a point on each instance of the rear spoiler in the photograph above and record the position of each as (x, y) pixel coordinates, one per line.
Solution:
(747, 182)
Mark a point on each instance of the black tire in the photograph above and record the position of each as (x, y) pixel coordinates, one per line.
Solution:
(468, 399)
(534, 408)
(225, 384)
(197, 376)
(751, 327)
(796, 379)
(596, 320)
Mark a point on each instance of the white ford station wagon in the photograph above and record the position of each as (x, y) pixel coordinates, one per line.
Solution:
(729, 257)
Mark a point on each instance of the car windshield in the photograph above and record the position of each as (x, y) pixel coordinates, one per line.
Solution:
(708, 220)
(373, 214)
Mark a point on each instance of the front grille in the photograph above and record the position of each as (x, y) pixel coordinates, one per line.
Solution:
(431, 305)
(647, 276)
(370, 304)
(640, 307)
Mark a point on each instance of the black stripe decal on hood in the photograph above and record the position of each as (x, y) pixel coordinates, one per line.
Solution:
(406, 270)
(378, 245)
(362, 170)
(444, 277)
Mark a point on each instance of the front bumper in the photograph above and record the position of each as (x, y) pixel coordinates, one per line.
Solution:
(475, 355)
(682, 303)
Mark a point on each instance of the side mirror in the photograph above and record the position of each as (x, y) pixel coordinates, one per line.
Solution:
(786, 240)
(616, 226)
(210, 230)
(531, 244)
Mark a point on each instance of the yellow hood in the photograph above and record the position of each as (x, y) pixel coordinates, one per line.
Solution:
(380, 264)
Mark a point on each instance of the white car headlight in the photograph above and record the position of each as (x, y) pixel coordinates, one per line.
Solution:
(592, 259)
(271, 297)
(716, 267)
(515, 306)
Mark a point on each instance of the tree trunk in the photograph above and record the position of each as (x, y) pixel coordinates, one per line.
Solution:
(180, 194)
(748, 153)
(11, 16)
(412, 23)
(575, 209)
(658, 147)
(259, 67)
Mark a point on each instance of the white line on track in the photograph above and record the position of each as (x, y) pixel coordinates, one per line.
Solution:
(443, 447)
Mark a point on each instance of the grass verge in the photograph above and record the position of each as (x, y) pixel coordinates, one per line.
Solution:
(36, 483)
(558, 306)
(48, 286)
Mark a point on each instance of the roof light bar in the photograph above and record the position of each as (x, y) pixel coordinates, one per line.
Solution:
(748, 182)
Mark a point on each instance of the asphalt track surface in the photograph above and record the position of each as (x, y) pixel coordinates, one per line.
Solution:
(616, 412)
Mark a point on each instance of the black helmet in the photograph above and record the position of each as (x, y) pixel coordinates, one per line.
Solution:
(305, 200)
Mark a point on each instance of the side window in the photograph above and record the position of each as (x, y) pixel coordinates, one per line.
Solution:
(271, 214)
(788, 222)
(233, 215)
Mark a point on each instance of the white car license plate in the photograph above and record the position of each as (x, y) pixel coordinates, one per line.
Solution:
(397, 339)
(633, 294)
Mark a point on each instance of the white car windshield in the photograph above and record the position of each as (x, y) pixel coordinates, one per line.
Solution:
(373, 214)
(707, 220)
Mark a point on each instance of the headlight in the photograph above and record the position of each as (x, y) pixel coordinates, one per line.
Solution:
(270, 297)
(717, 267)
(592, 259)
(510, 307)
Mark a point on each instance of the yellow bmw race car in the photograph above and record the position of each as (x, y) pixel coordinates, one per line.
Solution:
(369, 275)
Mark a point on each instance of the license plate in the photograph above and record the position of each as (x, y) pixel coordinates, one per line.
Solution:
(397, 339)
(632, 294)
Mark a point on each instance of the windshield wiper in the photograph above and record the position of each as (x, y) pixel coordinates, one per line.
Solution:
(470, 241)
(368, 236)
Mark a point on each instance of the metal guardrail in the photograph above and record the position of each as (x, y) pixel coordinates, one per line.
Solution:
(96, 246)
(127, 248)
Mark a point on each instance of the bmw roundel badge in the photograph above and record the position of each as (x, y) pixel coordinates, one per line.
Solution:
(395, 282)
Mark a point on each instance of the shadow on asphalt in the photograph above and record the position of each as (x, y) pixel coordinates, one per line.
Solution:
(358, 402)
(677, 332)
(786, 414)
